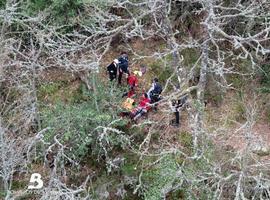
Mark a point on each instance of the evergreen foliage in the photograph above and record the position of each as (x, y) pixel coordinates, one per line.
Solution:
(265, 78)
(79, 124)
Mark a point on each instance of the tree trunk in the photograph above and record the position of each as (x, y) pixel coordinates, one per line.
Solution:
(199, 129)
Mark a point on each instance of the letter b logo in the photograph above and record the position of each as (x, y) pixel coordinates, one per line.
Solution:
(36, 182)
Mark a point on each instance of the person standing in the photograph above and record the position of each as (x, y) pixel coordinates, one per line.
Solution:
(132, 83)
(123, 66)
(176, 106)
(155, 91)
(112, 69)
(175, 109)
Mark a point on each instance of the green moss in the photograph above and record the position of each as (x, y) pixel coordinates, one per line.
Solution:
(60, 12)
(186, 140)
(162, 46)
(264, 75)
(129, 169)
(241, 66)
(190, 56)
(61, 91)
(155, 67)
(169, 58)
(214, 96)
(155, 137)
(159, 177)
(236, 80)
(28, 196)
(267, 113)
(130, 165)
(18, 184)
(264, 90)
(161, 71)
(49, 89)
(176, 195)
(2, 3)
(166, 73)
(239, 110)
(77, 114)
(2, 194)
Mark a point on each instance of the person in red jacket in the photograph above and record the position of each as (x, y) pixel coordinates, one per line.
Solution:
(143, 107)
(132, 81)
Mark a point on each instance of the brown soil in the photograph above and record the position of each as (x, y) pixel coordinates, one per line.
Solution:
(55, 74)
(216, 116)
(239, 140)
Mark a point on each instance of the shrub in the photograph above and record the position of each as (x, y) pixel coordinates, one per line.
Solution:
(49, 89)
(215, 98)
(61, 11)
(239, 111)
(159, 178)
(267, 113)
(79, 125)
(2, 3)
(264, 75)
(163, 72)
(190, 56)
(186, 140)
(19, 184)
(236, 81)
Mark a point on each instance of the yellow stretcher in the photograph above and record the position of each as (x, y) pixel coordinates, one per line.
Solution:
(128, 104)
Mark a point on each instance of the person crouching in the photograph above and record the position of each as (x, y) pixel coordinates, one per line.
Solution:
(142, 108)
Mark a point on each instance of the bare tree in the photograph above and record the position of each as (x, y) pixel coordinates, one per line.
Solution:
(228, 33)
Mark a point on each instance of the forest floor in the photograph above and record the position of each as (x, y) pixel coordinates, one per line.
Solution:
(222, 121)
(225, 114)
(235, 135)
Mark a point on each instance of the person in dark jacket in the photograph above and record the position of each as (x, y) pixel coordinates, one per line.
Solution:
(176, 106)
(112, 69)
(123, 66)
(155, 91)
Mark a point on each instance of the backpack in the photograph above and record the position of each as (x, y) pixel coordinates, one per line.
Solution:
(123, 64)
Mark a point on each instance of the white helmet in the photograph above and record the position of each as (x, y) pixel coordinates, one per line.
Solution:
(139, 73)
(116, 61)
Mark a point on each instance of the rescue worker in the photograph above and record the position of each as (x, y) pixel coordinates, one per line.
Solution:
(132, 83)
(123, 66)
(143, 69)
(155, 91)
(112, 69)
(142, 108)
(176, 106)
